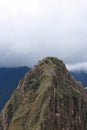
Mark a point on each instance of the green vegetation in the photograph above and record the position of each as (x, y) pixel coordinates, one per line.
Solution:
(48, 98)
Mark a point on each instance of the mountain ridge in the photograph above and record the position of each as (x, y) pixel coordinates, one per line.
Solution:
(9, 78)
(47, 98)
(80, 76)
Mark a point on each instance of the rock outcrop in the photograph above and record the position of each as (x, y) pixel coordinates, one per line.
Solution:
(47, 98)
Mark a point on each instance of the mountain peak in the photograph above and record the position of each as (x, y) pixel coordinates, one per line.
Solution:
(50, 61)
(47, 98)
(50, 66)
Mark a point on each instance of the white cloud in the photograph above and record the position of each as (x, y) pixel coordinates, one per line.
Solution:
(78, 67)
(31, 30)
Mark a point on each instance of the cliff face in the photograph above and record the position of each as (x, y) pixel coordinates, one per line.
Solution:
(47, 98)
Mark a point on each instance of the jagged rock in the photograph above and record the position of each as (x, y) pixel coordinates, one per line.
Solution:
(47, 98)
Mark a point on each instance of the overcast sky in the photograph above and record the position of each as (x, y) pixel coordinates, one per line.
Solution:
(33, 29)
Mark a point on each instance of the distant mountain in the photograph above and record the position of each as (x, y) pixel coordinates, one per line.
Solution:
(9, 78)
(47, 98)
(80, 76)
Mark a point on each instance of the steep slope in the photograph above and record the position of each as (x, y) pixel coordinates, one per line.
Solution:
(47, 98)
(80, 76)
(9, 78)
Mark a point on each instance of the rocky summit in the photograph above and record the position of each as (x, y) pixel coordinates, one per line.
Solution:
(47, 98)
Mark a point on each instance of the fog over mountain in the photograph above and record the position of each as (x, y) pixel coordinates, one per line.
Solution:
(78, 67)
(31, 30)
